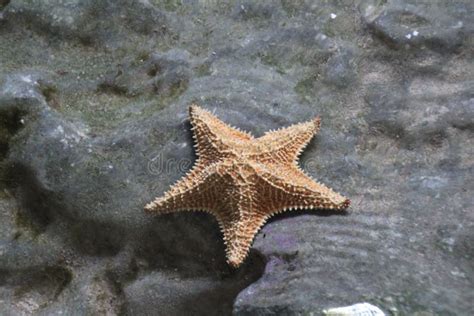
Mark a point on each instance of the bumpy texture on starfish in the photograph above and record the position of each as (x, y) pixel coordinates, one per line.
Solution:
(243, 180)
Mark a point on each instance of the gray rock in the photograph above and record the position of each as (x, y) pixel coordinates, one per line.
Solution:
(93, 125)
(160, 74)
(405, 25)
(87, 21)
(340, 69)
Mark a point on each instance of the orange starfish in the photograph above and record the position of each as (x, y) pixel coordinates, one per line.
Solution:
(243, 180)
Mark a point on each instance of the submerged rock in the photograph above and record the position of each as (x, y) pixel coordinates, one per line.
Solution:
(402, 24)
(93, 124)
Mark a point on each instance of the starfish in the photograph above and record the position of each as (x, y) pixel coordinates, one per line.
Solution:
(242, 181)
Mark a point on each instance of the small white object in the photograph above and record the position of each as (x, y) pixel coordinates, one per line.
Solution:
(408, 36)
(360, 309)
(458, 25)
(415, 33)
(333, 16)
(22, 121)
(59, 130)
(321, 36)
(27, 79)
(111, 167)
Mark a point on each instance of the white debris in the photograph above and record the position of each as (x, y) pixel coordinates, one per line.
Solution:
(361, 309)
(458, 273)
(22, 121)
(110, 167)
(408, 36)
(321, 37)
(26, 79)
(58, 131)
(415, 33)
(333, 16)
(458, 25)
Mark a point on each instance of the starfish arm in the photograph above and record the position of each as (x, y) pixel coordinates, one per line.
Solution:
(239, 235)
(240, 220)
(213, 138)
(198, 190)
(285, 145)
(288, 188)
